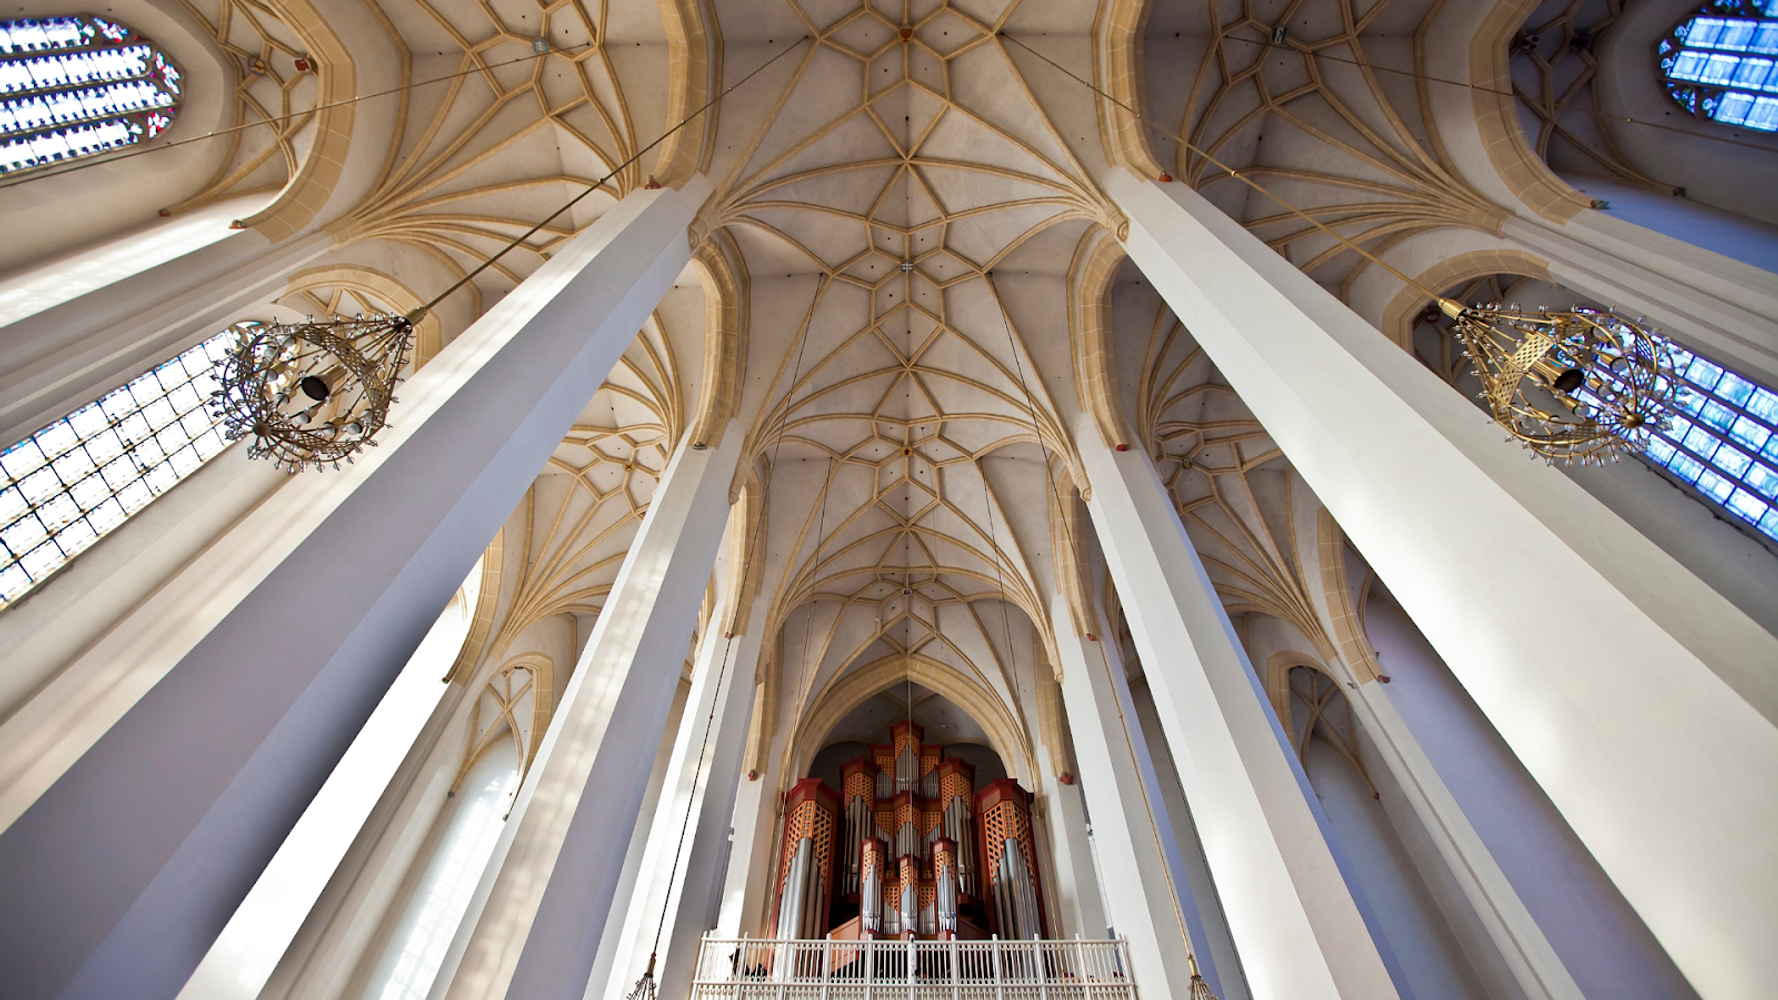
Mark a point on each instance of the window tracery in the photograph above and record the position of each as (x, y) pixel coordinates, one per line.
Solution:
(79, 86)
(68, 485)
(1722, 63)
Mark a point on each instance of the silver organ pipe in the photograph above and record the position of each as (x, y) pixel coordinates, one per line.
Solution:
(793, 894)
(870, 893)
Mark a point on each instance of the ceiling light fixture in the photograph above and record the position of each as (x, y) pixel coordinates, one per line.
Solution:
(1571, 385)
(314, 393)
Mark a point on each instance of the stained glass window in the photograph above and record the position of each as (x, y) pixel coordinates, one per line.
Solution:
(1722, 63)
(76, 86)
(64, 487)
(1724, 440)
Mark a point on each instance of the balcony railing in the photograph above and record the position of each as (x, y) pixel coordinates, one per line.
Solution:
(756, 969)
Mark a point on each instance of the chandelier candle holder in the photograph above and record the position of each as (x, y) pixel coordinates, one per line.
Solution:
(1576, 385)
(312, 394)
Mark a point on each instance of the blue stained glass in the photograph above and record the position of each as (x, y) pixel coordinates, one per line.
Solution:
(1717, 415)
(1763, 480)
(1715, 486)
(1716, 407)
(1750, 433)
(1731, 461)
(1701, 443)
(1713, 63)
(1748, 506)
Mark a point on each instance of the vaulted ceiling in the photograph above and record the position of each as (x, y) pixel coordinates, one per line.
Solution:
(906, 195)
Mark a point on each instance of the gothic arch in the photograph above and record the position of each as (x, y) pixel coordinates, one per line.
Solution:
(1398, 315)
(368, 281)
(337, 74)
(855, 686)
(1497, 118)
(723, 274)
(1090, 276)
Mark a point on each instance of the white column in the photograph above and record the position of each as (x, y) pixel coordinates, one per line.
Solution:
(540, 911)
(1295, 924)
(1135, 846)
(273, 648)
(700, 800)
(71, 354)
(1210, 932)
(1078, 898)
(1641, 700)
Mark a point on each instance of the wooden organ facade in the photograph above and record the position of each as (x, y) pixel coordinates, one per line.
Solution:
(908, 848)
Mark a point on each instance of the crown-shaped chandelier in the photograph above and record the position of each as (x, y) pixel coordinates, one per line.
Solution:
(312, 394)
(1575, 385)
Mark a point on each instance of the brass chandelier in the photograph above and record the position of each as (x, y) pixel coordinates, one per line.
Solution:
(1571, 385)
(1577, 385)
(315, 393)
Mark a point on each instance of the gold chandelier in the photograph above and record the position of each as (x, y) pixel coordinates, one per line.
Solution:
(1576, 385)
(311, 394)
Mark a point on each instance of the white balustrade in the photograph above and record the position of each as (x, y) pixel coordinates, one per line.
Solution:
(765, 969)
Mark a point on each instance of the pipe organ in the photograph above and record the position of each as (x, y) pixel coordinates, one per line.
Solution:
(908, 849)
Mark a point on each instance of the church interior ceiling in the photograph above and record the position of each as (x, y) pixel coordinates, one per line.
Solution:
(909, 192)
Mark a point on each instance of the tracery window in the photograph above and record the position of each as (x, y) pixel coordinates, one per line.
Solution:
(77, 86)
(1722, 63)
(66, 486)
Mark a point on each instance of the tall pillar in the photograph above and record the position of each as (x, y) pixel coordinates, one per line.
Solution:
(1135, 843)
(540, 911)
(71, 354)
(700, 801)
(117, 878)
(1641, 700)
(1298, 930)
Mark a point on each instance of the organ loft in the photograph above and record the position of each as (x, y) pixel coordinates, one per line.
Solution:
(909, 849)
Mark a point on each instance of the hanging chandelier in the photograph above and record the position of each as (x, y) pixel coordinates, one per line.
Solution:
(312, 394)
(1576, 385)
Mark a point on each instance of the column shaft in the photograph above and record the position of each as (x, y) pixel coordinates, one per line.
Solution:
(115, 881)
(1295, 924)
(707, 793)
(1136, 852)
(555, 872)
(1640, 699)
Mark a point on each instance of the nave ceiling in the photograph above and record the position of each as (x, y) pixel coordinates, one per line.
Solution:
(909, 213)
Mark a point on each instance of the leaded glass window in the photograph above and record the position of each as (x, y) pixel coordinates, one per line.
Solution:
(64, 487)
(1723, 63)
(1724, 442)
(77, 86)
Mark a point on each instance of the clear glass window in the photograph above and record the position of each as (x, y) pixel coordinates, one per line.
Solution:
(64, 487)
(1722, 63)
(77, 86)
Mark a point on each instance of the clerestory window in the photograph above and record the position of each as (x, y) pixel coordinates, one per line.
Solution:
(1722, 63)
(1723, 441)
(68, 485)
(78, 86)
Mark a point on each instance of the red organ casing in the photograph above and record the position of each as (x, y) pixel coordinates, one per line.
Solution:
(908, 849)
